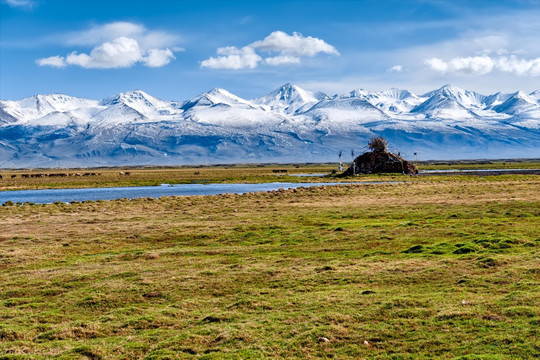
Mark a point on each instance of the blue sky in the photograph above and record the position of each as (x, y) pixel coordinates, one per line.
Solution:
(177, 49)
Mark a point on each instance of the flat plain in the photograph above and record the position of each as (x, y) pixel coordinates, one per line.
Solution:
(442, 266)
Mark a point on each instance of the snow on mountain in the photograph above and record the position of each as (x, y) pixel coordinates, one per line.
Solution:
(39, 106)
(288, 99)
(5, 117)
(535, 95)
(141, 102)
(450, 102)
(288, 124)
(496, 99)
(465, 98)
(214, 97)
(343, 114)
(219, 107)
(519, 104)
(393, 101)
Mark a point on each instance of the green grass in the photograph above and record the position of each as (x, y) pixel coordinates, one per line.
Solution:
(476, 164)
(424, 269)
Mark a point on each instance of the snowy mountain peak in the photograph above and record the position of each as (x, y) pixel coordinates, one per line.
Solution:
(130, 97)
(216, 96)
(291, 93)
(450, 97)
(125, 104)
(394, 100)
(464, 97)
(39, 106)
(519, 104)
(398, 94)
(288, 98)
(217, 126)
(496, 99)
(53, 102)
(447, 89)
(360, 93)
(523, 95)
(535, 95)
(224, 96)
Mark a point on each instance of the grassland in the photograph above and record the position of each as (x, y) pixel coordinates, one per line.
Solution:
(442, 267)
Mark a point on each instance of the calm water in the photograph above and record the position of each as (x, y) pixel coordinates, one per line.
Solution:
(68, 195)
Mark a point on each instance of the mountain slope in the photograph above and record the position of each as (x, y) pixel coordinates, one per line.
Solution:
(519, 104)
(289, 124)
(393, 101)
(288, 99)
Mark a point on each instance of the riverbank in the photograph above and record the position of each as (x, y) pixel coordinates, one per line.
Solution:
(417, 269)
(30, 179)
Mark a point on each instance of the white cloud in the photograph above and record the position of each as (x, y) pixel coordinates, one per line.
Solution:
(437, 64)
(25, 4)
(122, 52)
(473, 65)
(54, 61)
(158, 57)
(518, 66)
(119, 53)
(395, 68)
(117, 45)
(481, 65)
(233, 58)
(281, 60)
(293, 45)
(289, 49)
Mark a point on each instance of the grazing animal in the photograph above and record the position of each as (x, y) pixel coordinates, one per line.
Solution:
(127, 173)
(14, 176)
(1, 177)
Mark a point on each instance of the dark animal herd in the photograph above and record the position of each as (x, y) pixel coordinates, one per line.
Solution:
(41, 175)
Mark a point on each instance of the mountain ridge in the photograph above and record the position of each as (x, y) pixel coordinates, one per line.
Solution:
(288, 124)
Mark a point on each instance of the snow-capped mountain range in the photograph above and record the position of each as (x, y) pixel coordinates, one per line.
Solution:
(289, 124)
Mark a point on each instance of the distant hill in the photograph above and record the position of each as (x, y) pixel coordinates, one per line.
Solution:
(289, 124)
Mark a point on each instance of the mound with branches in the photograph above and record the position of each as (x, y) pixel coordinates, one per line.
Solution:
(379, 160)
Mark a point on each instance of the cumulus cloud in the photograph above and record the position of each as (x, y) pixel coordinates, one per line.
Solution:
(119, 45)
(119, 53)
(233, 58)
(293, 45)
(472, 64)
(518, 66)
(395, 68)
(280, 60)
(158, 57)
(54, 61)
(288, 49)
(481, 65)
